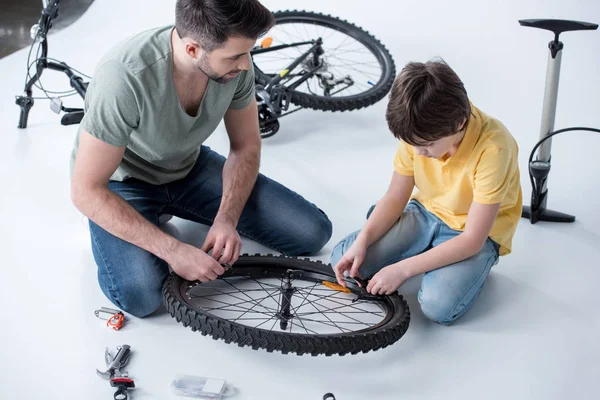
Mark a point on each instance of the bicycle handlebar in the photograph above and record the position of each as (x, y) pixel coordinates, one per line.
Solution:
(49, 13)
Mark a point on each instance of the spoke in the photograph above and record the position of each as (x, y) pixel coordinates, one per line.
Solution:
(292, 40)
(354, 319)
(361, 50)
(236, 305)
(368, 64)
(250, 298)
(340, 313)
(363, 73)
(346, 305)
(341, 44)
(250, 309)
(307, 330)
(305, 30)
(350, 65)
(341, 322)
(222, 292)
(278, 304)
(333, 32)
(323, 314)
(272, 57)
(334, 311)
(257, 326)
(297, 308)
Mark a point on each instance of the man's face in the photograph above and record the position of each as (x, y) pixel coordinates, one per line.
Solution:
(226, 62)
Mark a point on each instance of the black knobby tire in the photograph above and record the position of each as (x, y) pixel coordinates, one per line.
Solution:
(346, 103)
(380, 336)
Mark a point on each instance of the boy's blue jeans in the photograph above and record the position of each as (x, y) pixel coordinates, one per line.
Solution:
(446, 293)
(132, 278)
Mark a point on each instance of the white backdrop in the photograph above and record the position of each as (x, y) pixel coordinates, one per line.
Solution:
(532, 334)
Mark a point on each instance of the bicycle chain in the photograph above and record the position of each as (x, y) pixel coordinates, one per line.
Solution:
(268, 121)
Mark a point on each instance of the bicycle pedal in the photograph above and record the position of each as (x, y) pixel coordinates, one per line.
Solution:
(72, 118)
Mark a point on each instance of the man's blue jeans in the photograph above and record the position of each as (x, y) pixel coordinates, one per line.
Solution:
(132, 278)
(446, 293)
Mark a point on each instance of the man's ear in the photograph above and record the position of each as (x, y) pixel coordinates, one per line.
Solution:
(193, 49)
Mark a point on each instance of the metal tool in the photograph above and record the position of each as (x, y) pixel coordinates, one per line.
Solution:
(116, 363)
(114, 318)
(122, 384)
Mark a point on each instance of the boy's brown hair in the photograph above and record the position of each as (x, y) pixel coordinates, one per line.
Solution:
(428, 101)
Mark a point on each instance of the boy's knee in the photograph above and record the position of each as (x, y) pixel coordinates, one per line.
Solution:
(341, 247)
(437, 309)
(337, 253)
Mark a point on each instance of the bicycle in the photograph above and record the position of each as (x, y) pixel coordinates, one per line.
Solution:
(312, 77)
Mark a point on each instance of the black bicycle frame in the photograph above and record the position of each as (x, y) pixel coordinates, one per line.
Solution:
(315, 49)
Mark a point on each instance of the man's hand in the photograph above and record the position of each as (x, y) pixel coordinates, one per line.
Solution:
(351, 261)
(388, 279)
(224, 241)
(193, 264)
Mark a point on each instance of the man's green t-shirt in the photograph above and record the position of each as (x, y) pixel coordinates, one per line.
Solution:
(132, 102)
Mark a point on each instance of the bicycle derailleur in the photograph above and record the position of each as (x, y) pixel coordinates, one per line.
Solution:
(274, 100)
(272, 104)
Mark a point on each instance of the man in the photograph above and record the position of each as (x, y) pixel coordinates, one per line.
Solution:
(154, 100)
(467, 208)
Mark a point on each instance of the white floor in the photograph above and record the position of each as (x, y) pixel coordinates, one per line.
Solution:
(534, 333)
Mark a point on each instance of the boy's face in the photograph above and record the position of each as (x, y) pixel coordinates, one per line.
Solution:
(438, 148)
(441, 147)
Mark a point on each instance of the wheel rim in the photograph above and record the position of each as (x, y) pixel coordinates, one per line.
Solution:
(256, 297)
(345, 52)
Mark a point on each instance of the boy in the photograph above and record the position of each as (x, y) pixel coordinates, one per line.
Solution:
(467, 207)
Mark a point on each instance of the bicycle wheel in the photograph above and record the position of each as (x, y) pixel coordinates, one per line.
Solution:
(355, 70)
(288, 305)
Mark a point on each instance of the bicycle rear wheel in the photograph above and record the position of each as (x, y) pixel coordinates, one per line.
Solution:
(288, 305)
(355, 71)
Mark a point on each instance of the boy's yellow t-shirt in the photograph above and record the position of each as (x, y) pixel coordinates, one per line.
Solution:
(484, 169)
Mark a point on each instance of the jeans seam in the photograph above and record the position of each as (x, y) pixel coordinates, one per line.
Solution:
(492, 256)
(191, 211)
(113, 285)
(169, 200)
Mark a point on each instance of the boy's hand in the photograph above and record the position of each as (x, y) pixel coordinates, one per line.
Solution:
(351, 261)
(388, 280)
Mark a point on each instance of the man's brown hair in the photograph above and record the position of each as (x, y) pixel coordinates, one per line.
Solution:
(428, 101)
(212, 22)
